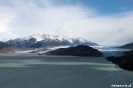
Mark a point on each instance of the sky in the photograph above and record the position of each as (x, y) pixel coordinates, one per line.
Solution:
(106, 22)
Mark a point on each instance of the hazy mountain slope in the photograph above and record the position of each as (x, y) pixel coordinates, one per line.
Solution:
(129, 45)
(3, 45)
(50, 42)
(5, 48)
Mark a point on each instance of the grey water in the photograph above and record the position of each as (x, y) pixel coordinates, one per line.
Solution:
(34, 71)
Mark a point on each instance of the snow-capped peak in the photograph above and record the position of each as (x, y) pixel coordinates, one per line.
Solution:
(36, 35)
(5, 40)
(61, 38)
(39, 37)
(83, 40)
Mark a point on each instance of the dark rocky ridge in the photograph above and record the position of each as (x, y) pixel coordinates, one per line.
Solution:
(80, 50)
(125, 62)
(128, 46)
(128, 52)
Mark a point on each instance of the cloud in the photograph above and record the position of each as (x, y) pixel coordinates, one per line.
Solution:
(122, 30)
(27, 17)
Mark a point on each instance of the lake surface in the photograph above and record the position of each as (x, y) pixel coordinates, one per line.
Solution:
(33, 71)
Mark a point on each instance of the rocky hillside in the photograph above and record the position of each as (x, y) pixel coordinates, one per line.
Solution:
(5, 48)
(125, 62)
(3, 45)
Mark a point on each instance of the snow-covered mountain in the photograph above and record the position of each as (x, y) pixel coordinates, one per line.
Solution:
(38, 37)
(37, 40)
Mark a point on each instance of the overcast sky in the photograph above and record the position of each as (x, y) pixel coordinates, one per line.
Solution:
(102, 21)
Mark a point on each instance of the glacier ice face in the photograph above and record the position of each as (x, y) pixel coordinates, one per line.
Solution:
(111, 51)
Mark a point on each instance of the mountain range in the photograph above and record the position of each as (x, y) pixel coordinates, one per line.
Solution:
(38, 41)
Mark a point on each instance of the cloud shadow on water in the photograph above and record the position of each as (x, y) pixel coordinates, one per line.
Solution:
(33, 62)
